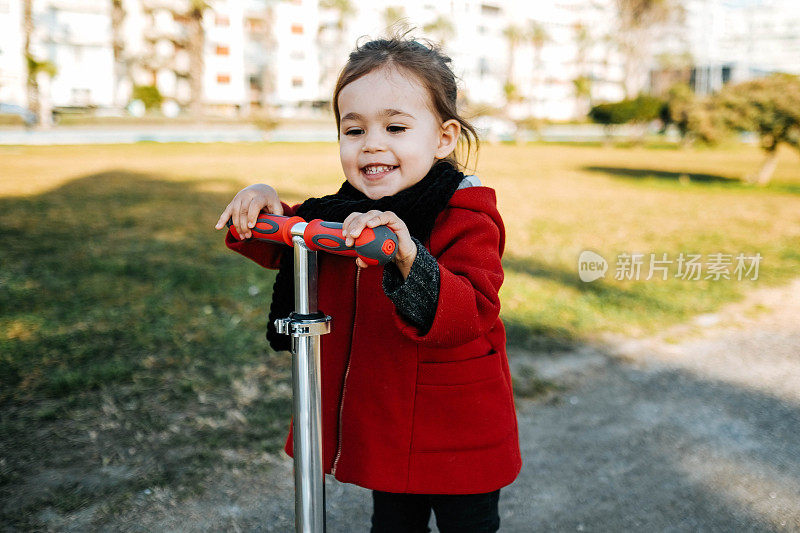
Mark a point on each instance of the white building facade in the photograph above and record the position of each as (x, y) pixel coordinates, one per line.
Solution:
(734, 40)
(12, 60)
(76, 37)
(285, 54)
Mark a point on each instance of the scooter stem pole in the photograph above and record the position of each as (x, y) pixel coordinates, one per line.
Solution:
(309, 477)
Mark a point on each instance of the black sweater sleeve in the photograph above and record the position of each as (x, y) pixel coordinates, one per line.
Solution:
(415, 297)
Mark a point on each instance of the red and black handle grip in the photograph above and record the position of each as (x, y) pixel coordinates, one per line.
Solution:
(375, 246)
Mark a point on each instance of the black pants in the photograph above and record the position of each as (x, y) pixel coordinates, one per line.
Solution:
(409, 513)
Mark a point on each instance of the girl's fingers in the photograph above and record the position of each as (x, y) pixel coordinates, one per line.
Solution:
(275, 206)
(223, 218)
(241, 219)
(347, 221)
(366, 220)
(385, 218)
(253, 209)
(348, 226)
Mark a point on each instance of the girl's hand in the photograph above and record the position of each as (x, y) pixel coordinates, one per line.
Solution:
(246, 205)
(406, 249)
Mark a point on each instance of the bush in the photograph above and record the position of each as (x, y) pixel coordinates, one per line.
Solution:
(646, 108)
(612, 114)
(678, 108)
(641, 109)
(149, 95)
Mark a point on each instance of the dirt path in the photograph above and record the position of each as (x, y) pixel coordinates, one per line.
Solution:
(695, 429)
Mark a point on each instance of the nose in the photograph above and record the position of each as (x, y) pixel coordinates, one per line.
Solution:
(373, 141)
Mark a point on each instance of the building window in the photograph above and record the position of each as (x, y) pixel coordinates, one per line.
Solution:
(255, 25)
(297, 82)
(221, 20)
(223, 79)
(483, 67)
(487, 9)
(297, 29)
(298, 55)
(223, 50)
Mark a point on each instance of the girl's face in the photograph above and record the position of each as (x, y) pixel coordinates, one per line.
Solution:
(390, 136)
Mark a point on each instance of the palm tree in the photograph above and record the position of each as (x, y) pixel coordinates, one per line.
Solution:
(537, 37)
(441, 29)
(514, 36)
(31, 86)
(343, 8)
(267, 42)
(35, 69)
(392, 15)
(583, 79)
(118, 45)
(196, 45)
(638, 20)
(332, 52)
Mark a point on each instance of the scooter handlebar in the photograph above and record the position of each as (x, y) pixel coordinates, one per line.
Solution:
(375, 246)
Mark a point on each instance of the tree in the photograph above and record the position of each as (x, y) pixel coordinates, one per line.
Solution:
(441, 29)
(514, 36)
(31, 85)
(537, 37)
(197, 41)
(638, 20)
(343, 8)
(332, 51)
(392, 15)
(35, 68)
(582, 83)
(681, 103)
(767, 106)
(118, 45)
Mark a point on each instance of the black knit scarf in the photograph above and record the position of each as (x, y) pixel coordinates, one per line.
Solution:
(417, 206)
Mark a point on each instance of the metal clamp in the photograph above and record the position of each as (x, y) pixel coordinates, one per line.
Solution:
(303, 327)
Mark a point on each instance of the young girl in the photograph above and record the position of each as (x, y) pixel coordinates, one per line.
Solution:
(416, 389)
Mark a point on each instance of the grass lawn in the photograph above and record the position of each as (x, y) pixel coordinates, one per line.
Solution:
(132, 353)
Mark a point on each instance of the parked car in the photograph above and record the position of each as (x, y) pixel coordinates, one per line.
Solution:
(13, 109)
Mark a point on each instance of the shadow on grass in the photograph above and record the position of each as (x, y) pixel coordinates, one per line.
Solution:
(132, 350)
(685, 178)
(621, 304)
(641, 173)
(612, 295)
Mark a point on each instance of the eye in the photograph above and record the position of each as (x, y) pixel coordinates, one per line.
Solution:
(354, 131)
(396, 129)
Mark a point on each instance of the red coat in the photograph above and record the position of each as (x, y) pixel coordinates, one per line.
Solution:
(410, 413)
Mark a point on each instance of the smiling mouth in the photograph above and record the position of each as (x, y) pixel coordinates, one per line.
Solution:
(376, 171)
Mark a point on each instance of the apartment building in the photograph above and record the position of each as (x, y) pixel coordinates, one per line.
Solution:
(734, 40)
(477, 35)
(12, 62)
(76, 36)
(157, 52)
(559, 56)
(73, 36)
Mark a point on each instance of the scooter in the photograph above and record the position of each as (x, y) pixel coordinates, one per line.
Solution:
(375, 246)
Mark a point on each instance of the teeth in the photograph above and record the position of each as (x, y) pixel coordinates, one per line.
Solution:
(376, 169)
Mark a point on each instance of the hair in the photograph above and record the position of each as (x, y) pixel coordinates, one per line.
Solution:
(428, 64)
